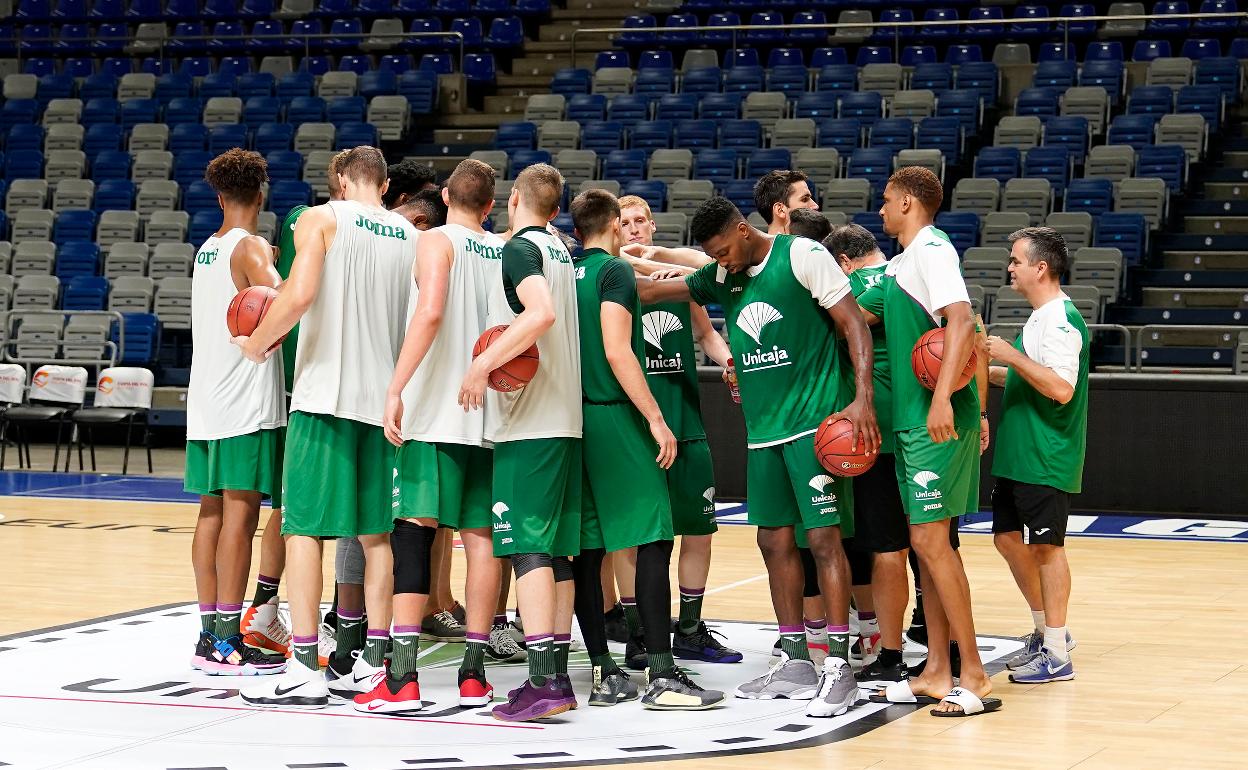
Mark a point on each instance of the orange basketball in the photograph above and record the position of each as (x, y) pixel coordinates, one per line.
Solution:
(247, 308)
(514, 374)
(927, 355)
(832, 448)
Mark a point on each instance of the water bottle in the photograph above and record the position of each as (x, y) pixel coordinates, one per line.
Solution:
(733, 388)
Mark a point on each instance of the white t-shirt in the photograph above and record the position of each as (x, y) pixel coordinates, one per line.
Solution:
(930, 272)
(1049, 340)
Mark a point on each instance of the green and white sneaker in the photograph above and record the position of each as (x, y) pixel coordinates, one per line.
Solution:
(675, 691)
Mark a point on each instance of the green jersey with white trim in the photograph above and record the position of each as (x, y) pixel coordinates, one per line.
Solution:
(881, 373)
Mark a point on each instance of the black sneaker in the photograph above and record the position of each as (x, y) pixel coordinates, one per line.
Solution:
(230, 657)
(617, 626)
(635, 654)
(917, 632)
(701, 644)
(775, 648)
(879, 671)
(340, 665)
(203, 650)
(675, 691)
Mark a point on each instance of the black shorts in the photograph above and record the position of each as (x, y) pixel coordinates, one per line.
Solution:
(880, 522)
(1041, 511)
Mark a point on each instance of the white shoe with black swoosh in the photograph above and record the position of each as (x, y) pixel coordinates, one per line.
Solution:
(360, 678)
(298, 688)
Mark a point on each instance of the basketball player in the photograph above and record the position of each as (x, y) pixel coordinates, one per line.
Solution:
(625, 500)
(1041, 443)
(350, 285)
(937, 436)
(669, 331)
(235, 414)
(777, 194)
(809, 223)
(442, 469)
(408, 178)
(785, 301)
(536, 434)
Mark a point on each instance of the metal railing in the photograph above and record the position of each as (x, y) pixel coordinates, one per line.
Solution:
(12, 341)
(895, 26)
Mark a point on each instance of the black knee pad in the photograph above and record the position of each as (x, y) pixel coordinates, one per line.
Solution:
(412, 546)
(524, 563)
(810, 574)
(562, 566)
(859, 566)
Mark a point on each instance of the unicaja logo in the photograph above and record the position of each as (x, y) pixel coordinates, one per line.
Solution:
(752, 319)
(923, 479)
(820, 485)
(654, 327)
(499, 509)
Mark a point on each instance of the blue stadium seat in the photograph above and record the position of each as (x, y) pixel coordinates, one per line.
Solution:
(99, 86)
(788, 79)
(156, 65)
(1042, 102)
(356, 63)
(844, 134)
(1201, 48)
(196, 66)
(259, 110)
(1216, 25)
(703, 80)
(285, 194)
(181, 110)
(944, 134)
(226, 36)
(480, 68)
(111, 164)
(378, 83)
(875, 164)
(761, 162)
(203, 224)
(826, 57)
(226, 136)
(420, 88)
(962, 227)
(1206, 101)
(17, 112)
(933, 77)
(1051, 163)
(1223, 72)
(602, 136)
(70, 9)
(584, 108)
(766, 34)
(914, 55)
(352, 135)
(785, 57)
(1134, 130)
(1109, 75)
(396, 63)
(673, 29)
(199, 197)
(720, 20)
(471, 30)
(142, 337)
(189, 167)
(958, 55)
(113, 194)
(85, 293)
(695, 134)
(1070, 132)
(1164, 161)
(1078, 28)
(651, 135)
(1147, 50)
(346, 109)
(984, 31)
(1094, 196)
(569, 82)
(940, 15)
(740, 192)
(818, 105)
(981, 78)
(609, 59)
(720, 106)
(1103, 51)
(305, 109)
(676, 107)
(871, 221)
(259, 9)
(347, 34)
(716, 165)
(866, 106)
(629, 109)
(109, 38)
(874, 54)
(892, 133)
(1000, 163)
(641, 24)
(744, 79)
(266, 35)
(515, 136)
(1169, 8)
(284, 164)
(1026, 27)
(655, 60)
(522, 159)
(1151, 100)
(253, 84)
(139, 9)
(1127, 232)
(808, 36)
(652, 191)
(838, 77)
(23, 165)
(188, 137)
(25, 136)
(55, 87)
(742, 57)
(74, 225)
(1056, 73)
(220, 9)
(740, 134)
(216, 84)
(78, 258)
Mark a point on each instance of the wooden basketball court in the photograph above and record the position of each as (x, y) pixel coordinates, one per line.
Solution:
(1157, 609)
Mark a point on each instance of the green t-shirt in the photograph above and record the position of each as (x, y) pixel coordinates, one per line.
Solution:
(601, 277)
(783, 342)
(1040, 441)
(521, 259)
(917, 284)
(285, 260)
(881, 374)
(672, 367)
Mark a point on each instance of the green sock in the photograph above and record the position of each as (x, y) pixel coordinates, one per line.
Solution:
(350, 634)
(474, 652)
(793, 643)
(838, 643)
(660, 662)
(207, 617)
(228, 616)
(605, 662)
(375, 647)
(406, 650)
(266, 588)
(631, 616)
(563, 645)
(305, 653)
(690, 609)
(543, 660)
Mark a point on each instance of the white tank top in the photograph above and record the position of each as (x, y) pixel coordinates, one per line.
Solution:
(228, 395)
(350, 336)
(550, 405)
(430, 411)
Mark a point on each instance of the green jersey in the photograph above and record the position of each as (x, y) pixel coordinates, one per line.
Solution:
(918, 283)
(783, 342)
(601, 277)
(1040, 441)
(672, 367)
(286, 259)
(881, 374)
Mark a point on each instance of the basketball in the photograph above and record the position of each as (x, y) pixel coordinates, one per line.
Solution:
(514, 374)
(832, 446)
(247, 308)
(926, 358)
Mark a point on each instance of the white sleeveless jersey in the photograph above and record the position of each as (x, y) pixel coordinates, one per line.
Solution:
(228, 395)
(430, 409)
(350, 337)
(550, 405)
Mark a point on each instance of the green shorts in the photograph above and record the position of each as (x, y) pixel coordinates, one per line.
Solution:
(938, 481)
(248, 463)
(691, 489)
(537, 497)
(786, 486)
(447, 482)
(339, 476)
(624, 499)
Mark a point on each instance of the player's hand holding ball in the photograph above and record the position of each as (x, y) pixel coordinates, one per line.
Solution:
(244, 314)
(861, 414)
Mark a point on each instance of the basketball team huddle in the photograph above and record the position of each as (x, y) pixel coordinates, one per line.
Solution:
(546, 408)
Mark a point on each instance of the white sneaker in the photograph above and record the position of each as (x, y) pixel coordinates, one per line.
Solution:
(326, 643)
(838, 690)
(298, 688)
(360, 678)
(264, 627)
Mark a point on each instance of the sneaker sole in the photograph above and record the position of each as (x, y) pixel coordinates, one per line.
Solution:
(528, 717)
(243, 671)
(682, 655)
(475, 701)
(1045, 680)
(795, 695)
(260, 640)
(287, 703)
(702, 707)
(389, 708)
(819, 708)
(613, 701)
(514, 658)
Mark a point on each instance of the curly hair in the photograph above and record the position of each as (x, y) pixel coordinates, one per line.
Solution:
(921, 184)
(714, 216)
(408, 176)
(237, 175)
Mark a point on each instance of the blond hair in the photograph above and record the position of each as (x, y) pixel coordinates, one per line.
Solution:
(636, 201)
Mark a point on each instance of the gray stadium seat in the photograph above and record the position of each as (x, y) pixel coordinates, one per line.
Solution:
(999, 225)
(6, 256)
(277, 65)
(36, 292)
(1033, 197)
(1110, 161)
(310, 137)
(117, 226)
(496, 159)
(1173, 71)
(151, 164)
(502, 192)
(33, 257)
(226, 110)
(84, 337)
(38, 337)
(131, 294)
(32, 224)
(979, 196)
(699, 58)
(767, 107)
(670, 165)
(391, 115)
(1188, 130)
(25, 194)
(148, 38)
(576, 166)
(543, 107)
(7, 284)
(1008, 306)
(1021, 131)
(884, 79)
(1100, 267)
(156, 195)
(686, 195)
(794, 134)
(672, 229)
(1087, 300)
(916, 105)
(63, 136)
(173, 302)
(1075, 227)
(821, 164)
(295, 9)
(1124, 27)
(336, 83)
(613, 81)
(166, 227)
(171, 260)
(383, 35)
(136, 85)
(836, 218)
(1091, 102)
(500, 220)
(1147, 196)
(610, 185)
(20, 86)
(852, 34)
(126, 259)
(73, 194)
(932, 160)
(266, 226)
(316, 164)
(65, 164)
(847, 195)
(1011, 53)
(555, 135)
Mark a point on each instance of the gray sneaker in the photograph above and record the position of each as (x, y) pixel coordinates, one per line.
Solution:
(516, 631)
(793, 679)
(503, 647)
(611, 689)
(1035, 644)
(442, 627)
(838, 690)
(675, 691)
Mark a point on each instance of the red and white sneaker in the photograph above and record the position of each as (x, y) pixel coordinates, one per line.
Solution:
(865, 649)
(473, 689)
(391, 696)
(264, 627)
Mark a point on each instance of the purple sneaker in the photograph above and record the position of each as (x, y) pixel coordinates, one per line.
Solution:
(532, 702)
(701, 644)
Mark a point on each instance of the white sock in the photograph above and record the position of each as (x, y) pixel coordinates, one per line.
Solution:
(868, 628)
(1055, 643)
(1037, 617)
